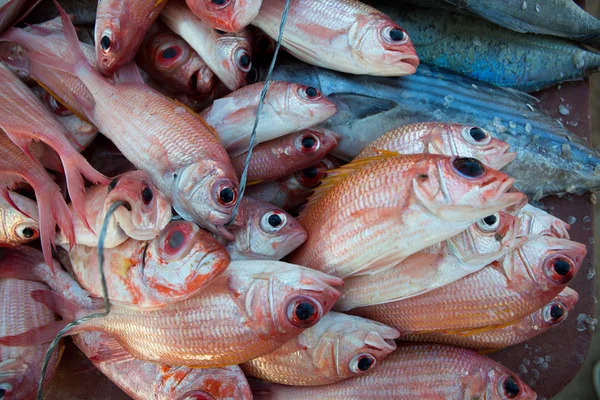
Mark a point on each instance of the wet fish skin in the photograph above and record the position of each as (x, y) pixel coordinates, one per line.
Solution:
(149, 275)
(15, 227)
(143, 380)
(232, 16)
(374, 105)
(421, 200)
(503, 292)
(443, 138)
(326, 353)
(359, 40)
(535, 324)
(263, 232)
(535, 221)
(288, 108)
(283, 156)
(414, 371)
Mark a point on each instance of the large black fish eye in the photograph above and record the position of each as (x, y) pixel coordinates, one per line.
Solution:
(219, 2)
(28, 233)
(397, 35)
(556, 311)
(105, 42)
(511, 387)
(562, 267)
(275, 220)
(477, 134)
(469, 167)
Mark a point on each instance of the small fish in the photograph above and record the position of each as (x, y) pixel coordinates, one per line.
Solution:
(288, 108)
(149, 275)
(283, 156)
(120, 29)
(147, 212)
(263, 232)
(482, 243)
(416, 371)
(538, 222)
(13, 10)
(340, 346)
(144, 380)
(520, 331)
(359, 40)
(493, 297)
(420, 200)
(251, 309)
(228, 56)
(443, 138)
(16, 227)
(225, 15)
(169, 59)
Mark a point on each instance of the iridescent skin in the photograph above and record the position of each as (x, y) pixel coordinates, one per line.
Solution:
(15, 227)
(231, 16)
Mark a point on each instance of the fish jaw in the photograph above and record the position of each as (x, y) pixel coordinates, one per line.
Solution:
(232, 17)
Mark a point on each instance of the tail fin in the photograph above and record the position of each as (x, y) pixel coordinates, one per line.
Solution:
(53, 211)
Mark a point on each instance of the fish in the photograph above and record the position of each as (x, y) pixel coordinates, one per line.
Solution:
(252, 308)
(146, 213)
(443, 138)
(533, 325)
(292, 191)
(189, 165)
(278, 158)
(228, 56)
(120, 29)
(340, 346)
(18, 227)
(263, 232)
(369, 215)
(374, 105)
(342, 35)
(151, 274)
(20, 367)
(538, 222)
(169, 59)
(482, 243)
(225, 15)
(25, 119)
(495, 296)
(562, 18)
(288, 108)
(16, 168)
(13, 10)
(485, 51)
(416, 371)
(143, 380)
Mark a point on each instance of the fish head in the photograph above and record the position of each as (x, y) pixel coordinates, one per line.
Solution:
(236, 52)
(538, 222)
(148, 211)
(313, 143)
(18, 380)
(300, 103)
(475, 142)
(226, 15)
(15, 227)
(375, 39)
(491, 381)
(557, 310)
(182, 259)
(204, 384)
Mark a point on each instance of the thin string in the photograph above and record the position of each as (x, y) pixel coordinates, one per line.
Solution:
(113, 207)
(263, 94)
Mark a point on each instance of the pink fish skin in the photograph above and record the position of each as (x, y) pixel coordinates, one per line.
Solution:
(18, 227)
(12, 10)
(149, 275)
(538, 222)
(144, 380)
(419, 371)
(227, 15)
(283, 156)
(16, 168)
(180, 152)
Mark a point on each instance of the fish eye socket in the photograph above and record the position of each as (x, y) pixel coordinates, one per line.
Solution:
(252, 76)
(147, 195)
(220, 2)
(468, 167)
(310, 173)
(509, 387)
(308, 143)
(310, 93)
(273, 221)
(489, 223)
(362, 363)
(243, 60)
(559, 269)
(170, 52)
(311, 176)
(303, 312)
(476, 136)
(106, 42)
(394, 35)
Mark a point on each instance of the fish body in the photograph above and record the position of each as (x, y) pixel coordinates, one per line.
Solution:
(375, 105)
(228, 56)
(339, 347)
(499, 294)
(520, 331)
(120, 29)
(421, 200)
(443, 138)
(288, 108)
(228, 16)
(358, 40)
(283, 156)
(149, 275)
(16, 227)
(420, 371)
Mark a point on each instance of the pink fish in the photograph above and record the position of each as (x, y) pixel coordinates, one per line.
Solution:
(18, 227)
(538, 222)
(225, 15)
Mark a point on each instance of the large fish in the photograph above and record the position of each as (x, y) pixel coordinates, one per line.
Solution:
(340, 346)
(18, 227)
(343, 35)
(225, 15)
(482, 50)
(120, 29)
(550, 159)
(181, 153)
(251, 309)
(420, 371)
(288, 107)
(371, 214)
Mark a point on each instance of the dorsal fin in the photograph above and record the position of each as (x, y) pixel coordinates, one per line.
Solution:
(195, 114)
(62, 102)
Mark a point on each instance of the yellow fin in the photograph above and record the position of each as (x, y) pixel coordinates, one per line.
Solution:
(476, 331)
(488, 351)
(195, 114)
(64, 103)
(158, 2)
(254, 182)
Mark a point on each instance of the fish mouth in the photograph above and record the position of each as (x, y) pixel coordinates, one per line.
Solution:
(411, 63)
(504, 159)
(379, 341)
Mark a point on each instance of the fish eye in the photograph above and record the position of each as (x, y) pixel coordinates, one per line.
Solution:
(362, 363)
(489, 223)
(252, 76)
(112, 184)
(303, 312)
(227, 196)
(176, 239)
(147, 195)
(197, 395)
(243, 60)
(509, 387)
(220, 2)
(559, 268)
(468, 167)
(28, 232)
(475, 135)
(106, 40)
(309, 93)
(5, 388)
(308, 142)
(169, 52)
(273, 221)
(394, 35)
(311, 176)
(54, 105)
(554, 312)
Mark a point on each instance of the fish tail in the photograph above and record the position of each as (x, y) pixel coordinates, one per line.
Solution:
(53, 211)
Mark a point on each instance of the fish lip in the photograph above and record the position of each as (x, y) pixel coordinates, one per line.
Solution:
(412, 61)
(506, 158)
